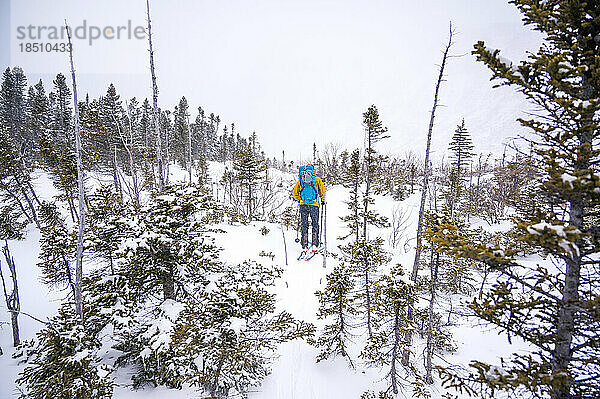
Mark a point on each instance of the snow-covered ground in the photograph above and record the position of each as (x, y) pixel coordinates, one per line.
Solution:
(295, 373)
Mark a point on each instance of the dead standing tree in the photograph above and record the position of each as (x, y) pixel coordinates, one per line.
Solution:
(155, 114)
(80, 188)
(426, 171)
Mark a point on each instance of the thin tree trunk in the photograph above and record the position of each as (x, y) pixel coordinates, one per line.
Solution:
(17, 200)
(74, 214)
(118, 187)
(563, 353)
(394, 360)
(415, 269)
(80, 186)
(13, 303)
(456, 184)
(284, 244)
(29, 186)
(159, 160)
(215, 384)
(342, 322)
(28, 200)
(69, 277)
(368, 298)
(430, 344)
(132, 169)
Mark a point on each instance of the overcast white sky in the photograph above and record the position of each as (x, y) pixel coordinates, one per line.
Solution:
(296, 72)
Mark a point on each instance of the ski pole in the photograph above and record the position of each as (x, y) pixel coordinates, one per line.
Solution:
(321, 226)
(298, 221)
(284, 244)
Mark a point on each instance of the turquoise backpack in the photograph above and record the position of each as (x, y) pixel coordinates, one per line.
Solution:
(308, 188)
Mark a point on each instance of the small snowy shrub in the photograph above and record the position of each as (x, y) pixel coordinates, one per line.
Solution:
(61, 362)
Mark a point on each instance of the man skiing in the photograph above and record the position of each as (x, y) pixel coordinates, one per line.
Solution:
(307, 191)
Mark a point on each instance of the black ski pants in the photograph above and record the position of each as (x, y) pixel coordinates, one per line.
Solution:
(313, 211)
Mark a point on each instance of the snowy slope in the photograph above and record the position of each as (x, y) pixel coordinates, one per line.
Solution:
(295, 374)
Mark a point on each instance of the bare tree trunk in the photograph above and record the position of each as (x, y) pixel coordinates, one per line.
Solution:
(132, 169)
(426, 171)
(80, 186)
(115, 169)
(159, 160)
(284, 244)
(394, 360)
(430, 344)
(33, 212)
(368, 299)
(12, 301)
(74, 214)
(33, 194)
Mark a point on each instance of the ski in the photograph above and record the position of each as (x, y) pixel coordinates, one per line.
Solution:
(310, 256)
(313, 253)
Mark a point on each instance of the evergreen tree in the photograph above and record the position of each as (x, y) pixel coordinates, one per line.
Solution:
(38, 110)
(215, 327)
(56, 146)
(385, 348)
(352, 180)
(212, 137)
(336, 302)
(375, 132)
(57, 248)
(249, 174)
(62, 362)
(13, 109)
(366, 258)
(162, 230)
(166, 133)
(227, 181)
(60, 122)
(16, 189)
(551, 309)
(111, 117)
(461, 147)
(447, 275)
(93, 137)
(179, 143)
(202, 172)
(105, 230)
(200, 139)
(233, 334)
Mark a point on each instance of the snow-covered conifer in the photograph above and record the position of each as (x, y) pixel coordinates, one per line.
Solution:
(336, 303)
